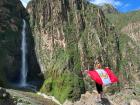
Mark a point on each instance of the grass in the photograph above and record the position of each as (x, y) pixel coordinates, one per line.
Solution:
(121, 20)
(62, 86)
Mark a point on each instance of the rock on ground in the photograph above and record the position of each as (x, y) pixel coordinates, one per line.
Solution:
(89, 99)
(124, 97)
(5, 98)
(134, 102)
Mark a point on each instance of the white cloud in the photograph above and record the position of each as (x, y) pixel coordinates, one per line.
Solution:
(101, 2)
(137, 8)
(24, 2)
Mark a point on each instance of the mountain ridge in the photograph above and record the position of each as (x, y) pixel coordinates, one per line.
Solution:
(109, 9)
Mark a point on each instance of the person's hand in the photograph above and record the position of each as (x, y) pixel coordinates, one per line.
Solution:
(86, 71)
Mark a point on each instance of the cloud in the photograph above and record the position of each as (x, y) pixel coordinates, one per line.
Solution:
(101, 2)
(138, 8)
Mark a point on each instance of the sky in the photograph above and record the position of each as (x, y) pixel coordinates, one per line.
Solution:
(24, 2)
(121, 5)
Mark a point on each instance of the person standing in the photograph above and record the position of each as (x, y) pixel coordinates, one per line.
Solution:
(99, 87)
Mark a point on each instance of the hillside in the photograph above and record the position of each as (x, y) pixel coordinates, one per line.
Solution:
(70, 36)
(121, 20)
(109, 9)
(128, 25)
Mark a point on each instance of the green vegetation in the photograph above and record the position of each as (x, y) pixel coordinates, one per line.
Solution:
(121, 20)
(62, 80)
(128, 47)
(65, 86)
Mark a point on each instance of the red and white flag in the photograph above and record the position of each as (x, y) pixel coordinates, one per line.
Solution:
(103, 76)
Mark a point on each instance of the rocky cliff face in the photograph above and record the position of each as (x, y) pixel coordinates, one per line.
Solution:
(11, 15)
(133, 47)
(70, 35)
(109, 9)
(132, 30)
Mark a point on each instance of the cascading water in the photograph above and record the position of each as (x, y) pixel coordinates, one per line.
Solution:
(24, 69)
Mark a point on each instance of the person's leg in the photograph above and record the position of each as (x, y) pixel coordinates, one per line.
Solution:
(99, 90)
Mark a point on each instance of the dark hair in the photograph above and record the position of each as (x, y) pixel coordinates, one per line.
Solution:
(91, 67)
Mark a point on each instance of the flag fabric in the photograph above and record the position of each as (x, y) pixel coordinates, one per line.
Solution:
(103, 76)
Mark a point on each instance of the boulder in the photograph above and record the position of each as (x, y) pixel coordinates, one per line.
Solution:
(134, 102)
(5, 98)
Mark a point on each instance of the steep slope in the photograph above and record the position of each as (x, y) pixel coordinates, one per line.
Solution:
(12, 14)
(70, 35)
(128, 26)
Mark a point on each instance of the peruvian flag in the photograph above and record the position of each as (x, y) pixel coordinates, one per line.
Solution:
(103, 76)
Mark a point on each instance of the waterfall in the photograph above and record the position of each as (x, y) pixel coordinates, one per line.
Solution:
(24, 69)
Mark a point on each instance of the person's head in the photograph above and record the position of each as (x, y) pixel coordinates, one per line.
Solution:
(98, 62)
(98, 65)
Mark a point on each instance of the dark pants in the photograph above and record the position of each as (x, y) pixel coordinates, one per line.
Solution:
(99, 88)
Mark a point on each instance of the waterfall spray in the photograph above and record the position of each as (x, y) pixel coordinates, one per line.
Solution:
(24, 69)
